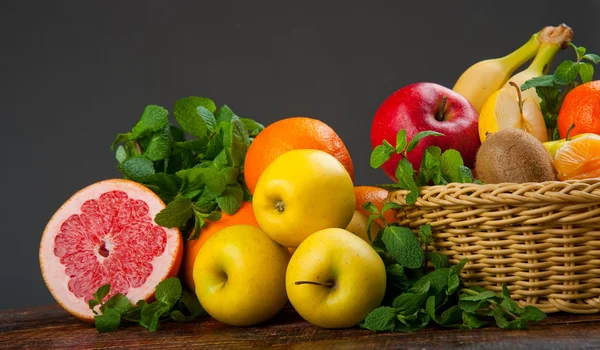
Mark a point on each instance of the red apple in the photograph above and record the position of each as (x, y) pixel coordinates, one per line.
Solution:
(427, 106)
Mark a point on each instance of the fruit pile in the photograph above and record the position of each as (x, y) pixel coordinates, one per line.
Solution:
(250, 218)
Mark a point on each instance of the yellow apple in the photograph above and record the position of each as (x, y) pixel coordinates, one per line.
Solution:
(358, 226)
(303, 191)
(239, 275)
(335, 279)
(505, 109)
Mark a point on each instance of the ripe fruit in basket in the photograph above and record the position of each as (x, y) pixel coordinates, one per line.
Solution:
(377, 196)
(581, 107)
(507, 109)
(513, 155)
(301, 192)
(579, 159)
(105, 233)
(334, 279)
(245, 215)
(240, 276)
(553, 146)
(427, 106)
(288, 134)
(485, 77)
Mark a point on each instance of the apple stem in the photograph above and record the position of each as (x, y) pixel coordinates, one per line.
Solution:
(520, 97)
(568, 135)
(326, 284)
(440, 114)
(279, 205)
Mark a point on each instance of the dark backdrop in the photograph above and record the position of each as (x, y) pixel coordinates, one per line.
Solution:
(75, 73)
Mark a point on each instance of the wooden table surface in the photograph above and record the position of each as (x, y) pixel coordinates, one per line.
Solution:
(51, 327)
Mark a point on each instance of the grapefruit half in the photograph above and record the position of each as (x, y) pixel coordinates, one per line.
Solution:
(106, 233)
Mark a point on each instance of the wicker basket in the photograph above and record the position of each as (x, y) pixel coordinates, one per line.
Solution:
(541, 239)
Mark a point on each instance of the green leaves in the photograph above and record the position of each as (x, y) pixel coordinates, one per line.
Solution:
(381, 154)
(553, 88)
(403, 245)
(198, 177)
(381, 319)
(172, 302)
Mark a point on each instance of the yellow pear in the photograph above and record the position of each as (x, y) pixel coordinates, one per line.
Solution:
(507, 109)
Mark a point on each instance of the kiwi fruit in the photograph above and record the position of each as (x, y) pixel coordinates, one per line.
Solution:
(513, 155)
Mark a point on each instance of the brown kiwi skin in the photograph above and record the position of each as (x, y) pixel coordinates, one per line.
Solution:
(513, 155)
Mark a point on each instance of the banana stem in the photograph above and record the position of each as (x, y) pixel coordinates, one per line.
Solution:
(552, 39)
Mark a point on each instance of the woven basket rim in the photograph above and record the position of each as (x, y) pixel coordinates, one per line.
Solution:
(542, 193)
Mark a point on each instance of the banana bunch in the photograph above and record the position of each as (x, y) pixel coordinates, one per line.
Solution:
(494, 90)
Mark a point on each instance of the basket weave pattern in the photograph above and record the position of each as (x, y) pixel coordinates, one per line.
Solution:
(541, 239)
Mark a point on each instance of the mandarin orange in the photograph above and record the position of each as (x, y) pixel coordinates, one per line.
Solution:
(579, 159)
(377, 196)
(289, 134)
(581, 107)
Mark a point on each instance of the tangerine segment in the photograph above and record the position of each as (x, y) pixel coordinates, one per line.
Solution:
(105, 234)
(289, 134)
(581, 107)
(579, 159)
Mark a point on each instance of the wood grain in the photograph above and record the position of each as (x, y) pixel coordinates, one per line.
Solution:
(52, 328)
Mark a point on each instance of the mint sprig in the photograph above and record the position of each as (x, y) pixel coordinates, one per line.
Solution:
(552, 88)
(437, 167)
(416, 296)
(172, 302)
(198, 177)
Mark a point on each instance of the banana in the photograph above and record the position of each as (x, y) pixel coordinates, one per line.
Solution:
(484, 78)
(552, 39)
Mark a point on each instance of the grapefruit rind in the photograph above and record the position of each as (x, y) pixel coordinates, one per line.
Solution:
(53, 271)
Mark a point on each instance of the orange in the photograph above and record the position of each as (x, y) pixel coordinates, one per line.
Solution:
(245, 215)
(378, 197)
(288, 134)
(581, 107)
(579, 159)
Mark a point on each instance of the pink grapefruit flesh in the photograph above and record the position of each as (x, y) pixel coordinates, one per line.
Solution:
(106, 233)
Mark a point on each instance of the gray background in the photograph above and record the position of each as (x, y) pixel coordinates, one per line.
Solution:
(76, 73)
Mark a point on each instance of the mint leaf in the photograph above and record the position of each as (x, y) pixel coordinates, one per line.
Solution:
(168, 291)
(471, 321)
(225, 114)
(418, 137)
(189, 308)
(221, 160)
(390, 206)
(586, 72)
(121, 154)
(450, 163)
(159, 147)
(381, 319)
(544, 80)
(458, 267)
(187, 115)
(507, 301)
(198, 224)
(153, 119)
(592, 57)
(209, 119)
(401, 141)
(580, 52)
(206, 202)
(231, 199)
(438, 260)
(253, 127)
(453, 283)
(472, 306)
(381, 154)
(214, 216)
(430, 166)
(403, 245)
(214, 180)
(119, 139)
(117, 302)
(408, 303)
(425, 234)
(370, 207)
(137, 168)
(532, 313)
(175, 214)
(108, 321)
(566, 72)
(405, 176)
(151, 313)
(236, 141)
(452, 315)
(164, 185)
(102, 292)
(430, 308)
(488, 294)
